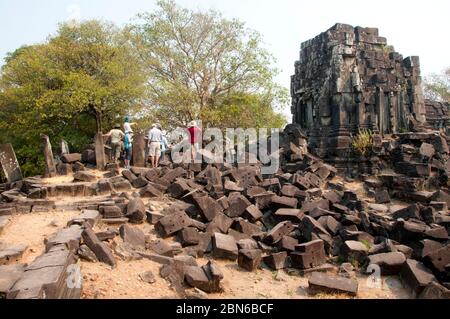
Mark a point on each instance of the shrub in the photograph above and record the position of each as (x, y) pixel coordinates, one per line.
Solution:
(363, 142)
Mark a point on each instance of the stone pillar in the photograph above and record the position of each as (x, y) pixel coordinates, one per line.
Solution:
(9, 163)
(64, 147)
(50, 170)
(139, 150)
(100, 151)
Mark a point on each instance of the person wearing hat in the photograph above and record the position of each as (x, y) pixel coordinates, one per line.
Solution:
(154, 145)
(194, 138)
(116, 135)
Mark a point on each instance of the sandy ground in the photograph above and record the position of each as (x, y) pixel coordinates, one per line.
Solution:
(32, 229)
(100, 281)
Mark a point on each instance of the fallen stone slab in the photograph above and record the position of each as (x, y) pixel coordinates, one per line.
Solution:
(179, 188)
(224, 247)
(162, 248)
(129, 175)
(173, 174)
(47, 277)
(238, 205)
(354, 251)
(85, 253)
(247, 244)
(293, 191)
(107, 234)
(133, 236)
(84, 176)
(330, 224)
(245, 227)
(71, 158)
(309, 255)
(206, 278)
(287, 243)
(324, 283)
(389, 263)
(100, 249)
(126, 252)
(252, 213)
(276, 261)
(382, 197)
(122, 186)
(410, 212)
(9, 274)
(153, 217)
(289, 214)
(136, 212)
(284, 202)
(139, 182)
(115, 221)
(151, 191)
(171, 224)
(276, 233)
(91, 217)
(69, 237)
(249, 259)
(189, 236)
(434, 291)
(425, 247)
(208, 207)
(11, 254)
(416, 276)
(438, 261)
(221, 223)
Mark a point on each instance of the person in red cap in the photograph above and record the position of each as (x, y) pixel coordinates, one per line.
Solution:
(195, 136)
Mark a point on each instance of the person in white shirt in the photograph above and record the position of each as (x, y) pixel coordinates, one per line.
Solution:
(164, 144)
(154, 145)
(116, 136)
(127, 126)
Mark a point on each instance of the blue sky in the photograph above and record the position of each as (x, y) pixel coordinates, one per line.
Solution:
(413, 27)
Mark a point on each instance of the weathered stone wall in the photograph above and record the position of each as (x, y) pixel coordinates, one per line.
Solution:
(349, 78)
(437, 114)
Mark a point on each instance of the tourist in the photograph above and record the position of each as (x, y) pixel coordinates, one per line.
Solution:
(154, 146)
(128, 147)
(164, 144)
(116, 136)
(127, 126)
(194, 138)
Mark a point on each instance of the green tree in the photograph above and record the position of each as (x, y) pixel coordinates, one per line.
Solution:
(437, 86)
(67, 87)
(196, 62)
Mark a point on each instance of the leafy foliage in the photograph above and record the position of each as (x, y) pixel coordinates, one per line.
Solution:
(437, 86)
(196, 62)
(65, 88)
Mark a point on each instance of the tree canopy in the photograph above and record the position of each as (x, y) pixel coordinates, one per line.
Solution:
(437, 86)
(172, 65)
(195, 62)
(66, 87)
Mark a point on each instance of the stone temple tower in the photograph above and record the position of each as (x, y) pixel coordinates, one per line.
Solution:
(349, 78)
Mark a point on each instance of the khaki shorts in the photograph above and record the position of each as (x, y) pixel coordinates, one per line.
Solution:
(154, 149)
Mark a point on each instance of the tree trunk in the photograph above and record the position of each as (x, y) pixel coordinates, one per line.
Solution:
(98, 117)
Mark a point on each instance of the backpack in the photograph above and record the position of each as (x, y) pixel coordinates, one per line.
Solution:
(127, 141)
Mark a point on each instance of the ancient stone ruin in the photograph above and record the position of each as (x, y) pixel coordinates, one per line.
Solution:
(309, 219)
(304, 220)
(347, 79)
